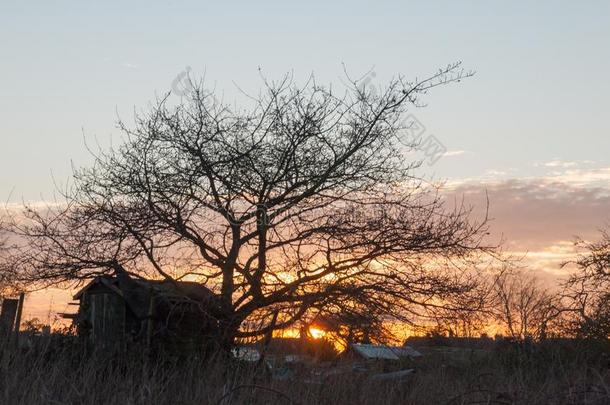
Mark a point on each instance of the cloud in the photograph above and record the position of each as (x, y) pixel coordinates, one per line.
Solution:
(549, 261)
(538, 211)
(540, 217)
(557, 163)
(454, 153)
(537, 216)
(563, 164)
(592, 178)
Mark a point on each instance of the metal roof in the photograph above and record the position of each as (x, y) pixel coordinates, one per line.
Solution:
(385, 352)
(405, 351)
(188, 289)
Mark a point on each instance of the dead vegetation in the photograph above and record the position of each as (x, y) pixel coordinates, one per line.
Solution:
(54, 371)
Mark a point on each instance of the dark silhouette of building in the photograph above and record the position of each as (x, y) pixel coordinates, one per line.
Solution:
(173, 317)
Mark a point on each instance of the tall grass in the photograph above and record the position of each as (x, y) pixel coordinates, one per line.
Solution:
(55, 370)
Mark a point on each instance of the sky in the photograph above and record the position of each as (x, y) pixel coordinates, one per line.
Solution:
(529, 129)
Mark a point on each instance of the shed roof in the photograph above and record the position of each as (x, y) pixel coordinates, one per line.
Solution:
(189, 289)
(384, 352)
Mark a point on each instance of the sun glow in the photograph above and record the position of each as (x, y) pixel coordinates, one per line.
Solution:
(316, 333)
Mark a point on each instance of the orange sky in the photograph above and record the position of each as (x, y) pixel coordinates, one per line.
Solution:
(537, 217)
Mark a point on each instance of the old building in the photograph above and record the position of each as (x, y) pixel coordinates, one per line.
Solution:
(174, 317)
(381, 352)
(11, 310)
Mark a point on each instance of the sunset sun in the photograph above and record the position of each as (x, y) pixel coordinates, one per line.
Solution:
(316, 333)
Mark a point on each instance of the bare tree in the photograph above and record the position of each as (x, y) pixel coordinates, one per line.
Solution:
(523, 307)
(303, 201)
(588, 290)
(468, 314)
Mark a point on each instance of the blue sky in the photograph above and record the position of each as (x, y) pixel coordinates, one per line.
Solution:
(539, 94)
(529, 130)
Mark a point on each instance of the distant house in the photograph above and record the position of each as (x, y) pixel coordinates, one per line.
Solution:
(482, 342)
(381, 352)
(281, 350)
(170, 316)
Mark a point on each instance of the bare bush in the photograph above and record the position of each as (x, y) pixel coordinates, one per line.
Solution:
(524, 307)
(588, 290)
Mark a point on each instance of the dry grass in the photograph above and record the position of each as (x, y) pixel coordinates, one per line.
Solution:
(55, 371)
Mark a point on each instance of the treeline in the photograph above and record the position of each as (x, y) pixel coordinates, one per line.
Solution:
(519, 305)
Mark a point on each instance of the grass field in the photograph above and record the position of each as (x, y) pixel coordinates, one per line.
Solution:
(56, 371)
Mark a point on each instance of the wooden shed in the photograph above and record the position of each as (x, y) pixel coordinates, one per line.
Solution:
(174, 317)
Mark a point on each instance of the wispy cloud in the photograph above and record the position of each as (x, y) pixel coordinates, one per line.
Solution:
(129, 65)
(450, 153)
(540, 217)
(598, 178)
(564, 164)
(574, 174)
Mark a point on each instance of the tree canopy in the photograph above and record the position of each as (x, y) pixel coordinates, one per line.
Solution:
(303, 202)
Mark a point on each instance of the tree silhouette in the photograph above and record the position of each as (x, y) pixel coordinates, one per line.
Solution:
(524, 307)
(588, 290)
(305, 200)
